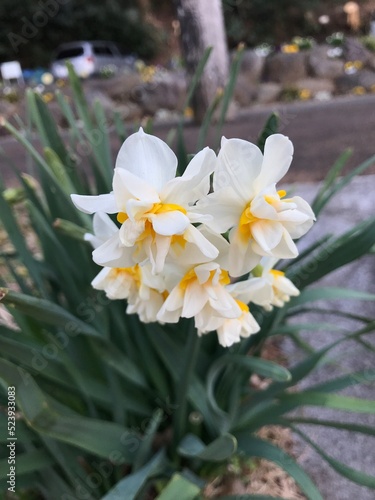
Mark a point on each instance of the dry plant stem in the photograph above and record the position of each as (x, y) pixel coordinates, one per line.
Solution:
(192, 349)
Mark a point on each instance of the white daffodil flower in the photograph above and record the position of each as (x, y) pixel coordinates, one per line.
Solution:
(245, 200)
(204, 293)
(153, 206)
(230, 331)
(201, 294)
(271, 288)
(144, 292)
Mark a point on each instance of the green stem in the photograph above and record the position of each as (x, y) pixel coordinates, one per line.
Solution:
(180, 420)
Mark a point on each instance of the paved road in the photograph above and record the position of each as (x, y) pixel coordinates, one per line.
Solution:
(319, 131)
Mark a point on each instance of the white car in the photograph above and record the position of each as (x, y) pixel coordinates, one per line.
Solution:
(89, 58)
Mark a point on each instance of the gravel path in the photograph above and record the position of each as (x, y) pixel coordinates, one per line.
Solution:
(352, 205)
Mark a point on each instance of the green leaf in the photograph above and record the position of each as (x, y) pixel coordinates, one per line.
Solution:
(47, 312)
(335, 401)
(328, 293)
(334, 188)
(145, 448)
(41, 414)
(28, 462)
(319, 201)
(197, 77)
(219, 450)
(179, 487)
(271, 127)
(346, 426)
(255, 447)
(131, 485)
(229, 90)
(262, 367)
(336, 253)
(354, 475)
(15, 235)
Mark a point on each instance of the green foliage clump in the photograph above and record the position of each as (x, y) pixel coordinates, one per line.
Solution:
(30, 31)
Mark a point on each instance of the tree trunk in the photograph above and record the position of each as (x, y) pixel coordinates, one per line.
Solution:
(202, 26)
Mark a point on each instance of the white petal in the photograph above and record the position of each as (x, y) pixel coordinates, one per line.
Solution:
(170, 223)
(225, 207)
(149, 158)
(103, 226)
(239, 163)
(194, 301)
(161, 245)
(278, 155)
(113, 254)
(127, 186)
(130, 231)
(286, 286)
(195, 181)
(256, 290)
(91, 204)
(263, 210)
(267, 234)
(100, 280)
(205, 246)
(242, 258)
(286, 249)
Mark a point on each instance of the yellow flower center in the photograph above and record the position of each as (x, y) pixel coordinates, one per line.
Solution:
(244, 307)
(134, 273)
(191, 276)
(157, 208)
(247, 218)
(276, 273)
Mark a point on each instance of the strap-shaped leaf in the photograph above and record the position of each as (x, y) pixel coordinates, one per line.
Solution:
(43, 416)
(220, 449)
(354, 475)
(131, 485)
(255, 447)
(181, 488)
(335, 401)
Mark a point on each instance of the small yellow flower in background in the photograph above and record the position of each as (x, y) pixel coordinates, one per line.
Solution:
(351, 67)
(48, 97)
(188, 112)
(60, 83)
(305, 94)
(372, 88)
(359, 90)
(290, 48)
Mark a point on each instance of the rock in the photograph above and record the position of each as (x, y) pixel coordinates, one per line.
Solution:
(353, 50)
(364, 78)
(130, 111)
(120, 88)
(315, 85)
(96, 95)
(321, 65)
(252, 66)
(245, 91)
(168, 91)
(286, 68)
(268, 92)
(7, 109)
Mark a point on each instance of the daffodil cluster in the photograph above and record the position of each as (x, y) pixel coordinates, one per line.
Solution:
(178, 243)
